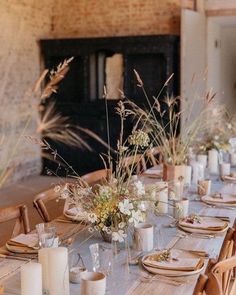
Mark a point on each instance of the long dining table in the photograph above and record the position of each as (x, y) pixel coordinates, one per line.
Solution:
(132, 279)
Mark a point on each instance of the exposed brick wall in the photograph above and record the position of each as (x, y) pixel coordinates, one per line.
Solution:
(87, 18)
(22, 23)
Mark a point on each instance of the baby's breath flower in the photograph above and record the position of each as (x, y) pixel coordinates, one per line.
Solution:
(57, 188)
(139, 138)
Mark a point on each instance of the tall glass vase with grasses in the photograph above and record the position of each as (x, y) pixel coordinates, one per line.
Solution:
(163, 118)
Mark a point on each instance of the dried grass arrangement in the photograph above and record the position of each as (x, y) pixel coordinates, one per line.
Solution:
(162, 121)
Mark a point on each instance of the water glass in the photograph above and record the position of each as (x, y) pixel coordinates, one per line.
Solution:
(46, 235)
(102, 258)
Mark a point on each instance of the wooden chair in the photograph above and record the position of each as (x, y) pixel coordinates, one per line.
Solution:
(18, 213)
(42, 199)
(40, 202)
(153, 156)
(138, 163)
(227, 249)
(217, 282)
(96, 176)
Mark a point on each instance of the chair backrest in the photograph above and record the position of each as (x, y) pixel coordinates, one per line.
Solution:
(135, 163)
(222, 272)
(200, 285)
(234, 225)
(227, 248)
(18, 213)
(218, 281)
(40, 202)
(153, 155)
(96, 176)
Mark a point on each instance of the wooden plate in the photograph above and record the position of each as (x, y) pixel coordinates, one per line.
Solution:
(20, 249)
(173, 273)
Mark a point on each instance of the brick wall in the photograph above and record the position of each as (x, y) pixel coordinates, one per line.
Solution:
(87, 18)
(22, 23)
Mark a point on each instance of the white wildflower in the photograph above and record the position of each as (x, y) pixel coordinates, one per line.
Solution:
(65, 194)
(125, 207)
(104, 190)
(57, 188)
(121, 225)
(92, 217)
(91, 230)
(119, 236)
(229, 126)
(139, 188)
(136, 217)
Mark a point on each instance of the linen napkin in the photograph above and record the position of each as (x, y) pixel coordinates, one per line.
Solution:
(74, 211)
(205, 223)
(222, 199)
(229, 178)
(154, 172)
(177, 262)
(23, 240)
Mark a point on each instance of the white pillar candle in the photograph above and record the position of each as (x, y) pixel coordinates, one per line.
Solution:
(233, 159)
(162, 197)
(188, 175)
(181, 208)
(58, 271)
(43, 260)
(178, 189)
(31, 279)
(203, 160)
(224, 169)
(143, 237)
(213, 161)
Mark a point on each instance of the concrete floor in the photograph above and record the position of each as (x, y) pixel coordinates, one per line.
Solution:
(24, 192)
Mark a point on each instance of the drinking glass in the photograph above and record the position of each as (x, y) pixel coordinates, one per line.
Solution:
(102, 258)
(46, 235)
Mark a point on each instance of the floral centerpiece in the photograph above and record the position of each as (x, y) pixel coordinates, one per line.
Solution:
(112, 206)
(218, 134)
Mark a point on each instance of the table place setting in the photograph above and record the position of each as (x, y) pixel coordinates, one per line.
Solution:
(173, 263)
(202, 225)
(221, 199)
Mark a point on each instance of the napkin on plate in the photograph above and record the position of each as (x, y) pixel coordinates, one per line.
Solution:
(230, 178)
(223, 198)
(177, 262)
(153, 172)
(29, 240)
(205, 223)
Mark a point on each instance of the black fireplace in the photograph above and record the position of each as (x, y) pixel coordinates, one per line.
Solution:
(80, 96)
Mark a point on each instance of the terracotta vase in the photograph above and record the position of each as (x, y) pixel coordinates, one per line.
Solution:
(173, 172)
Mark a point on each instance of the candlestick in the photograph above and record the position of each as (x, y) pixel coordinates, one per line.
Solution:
(224, 169)
(162, 197)
(31, 279)
(203, 160)
(213, 161)
(233, 159)
(58, 271)
(188, 175)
